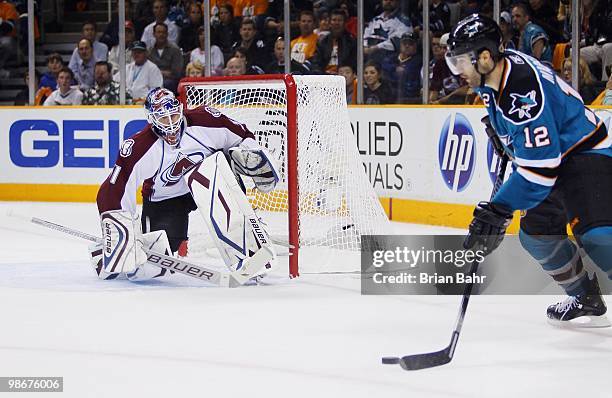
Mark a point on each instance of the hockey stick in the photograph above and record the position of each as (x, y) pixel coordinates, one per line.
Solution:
(154, 258)
(442, 357)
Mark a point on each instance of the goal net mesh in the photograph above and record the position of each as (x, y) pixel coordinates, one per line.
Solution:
(337, 204)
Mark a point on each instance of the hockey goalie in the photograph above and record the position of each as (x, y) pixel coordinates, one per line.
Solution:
(185, 161)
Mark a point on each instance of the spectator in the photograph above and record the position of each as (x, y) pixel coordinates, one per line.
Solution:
(65, 93)
(380, 33)
(143, 16)
(323, 24)
(439, 16)
(100, 51)
(83, 68)
(257, 51)
(189, 32)
(445, 88)
(376, 90)
(304, 46)
(194, 69)
(55, 63)
(254, 10)
(235, 67)
(242, 53)
(226, 31)
(106, 91)
(110, 36)
(533, 39)
(160, 11)
(544, 14)
(198, 55)
(350, 77)
(278, 65)
(23, 97)
(337, 48)
(351, 20)
(142, 75)
(167, 57)
(585, 80)
(599, 53)
(508, 36)
(113, 55)
(404, 69)
(8, 33)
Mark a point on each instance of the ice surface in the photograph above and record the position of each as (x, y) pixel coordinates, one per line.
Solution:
(315, 336)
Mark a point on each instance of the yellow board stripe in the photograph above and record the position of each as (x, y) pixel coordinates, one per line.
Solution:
(51, 193)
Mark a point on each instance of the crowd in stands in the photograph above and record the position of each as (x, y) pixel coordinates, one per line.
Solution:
(165, 41)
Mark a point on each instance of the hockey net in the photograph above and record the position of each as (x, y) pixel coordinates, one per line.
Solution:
(324, 198)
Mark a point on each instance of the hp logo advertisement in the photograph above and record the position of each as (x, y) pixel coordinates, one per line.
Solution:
(492, 162)
(457, 152)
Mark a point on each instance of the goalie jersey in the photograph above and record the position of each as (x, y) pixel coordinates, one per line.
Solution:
(146, 158)
(541, 120)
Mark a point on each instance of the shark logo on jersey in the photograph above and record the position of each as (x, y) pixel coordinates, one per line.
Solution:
(522, 104)
(183, 163)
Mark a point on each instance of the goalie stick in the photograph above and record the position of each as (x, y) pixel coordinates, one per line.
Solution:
(442, 357)
(154, 258)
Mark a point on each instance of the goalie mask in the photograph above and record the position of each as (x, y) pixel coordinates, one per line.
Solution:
(165, 114)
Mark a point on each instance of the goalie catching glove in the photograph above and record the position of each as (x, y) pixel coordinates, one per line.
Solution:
(249, 159)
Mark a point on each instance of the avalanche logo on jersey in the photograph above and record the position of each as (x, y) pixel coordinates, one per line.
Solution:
(183, 163)
(126, 148)
(522, 104)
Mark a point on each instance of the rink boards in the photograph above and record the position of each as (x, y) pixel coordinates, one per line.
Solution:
(428, 164)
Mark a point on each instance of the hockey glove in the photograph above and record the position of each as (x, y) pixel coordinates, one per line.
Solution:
(254, 163)
(488, 227)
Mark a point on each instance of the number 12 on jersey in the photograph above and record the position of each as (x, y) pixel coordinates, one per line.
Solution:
(540, 137)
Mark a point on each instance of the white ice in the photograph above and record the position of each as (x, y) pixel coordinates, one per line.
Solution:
(314, 336)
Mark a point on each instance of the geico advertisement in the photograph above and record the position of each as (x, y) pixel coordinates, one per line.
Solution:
(61, 145)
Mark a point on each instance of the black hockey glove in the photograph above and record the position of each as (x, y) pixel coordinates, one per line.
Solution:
(488, 227)
(493, 137)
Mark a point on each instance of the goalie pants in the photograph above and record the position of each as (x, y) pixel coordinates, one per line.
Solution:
(170, 215)
(582, 197)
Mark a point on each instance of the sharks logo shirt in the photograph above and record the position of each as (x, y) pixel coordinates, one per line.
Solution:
(541, 120)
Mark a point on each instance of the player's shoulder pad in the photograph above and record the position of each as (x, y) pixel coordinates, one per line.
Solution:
(139, 143)
(522, 98)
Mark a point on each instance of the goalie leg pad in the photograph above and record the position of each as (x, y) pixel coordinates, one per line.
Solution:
(122, 240)
(156, 241)
(95, 258)
(231, 221)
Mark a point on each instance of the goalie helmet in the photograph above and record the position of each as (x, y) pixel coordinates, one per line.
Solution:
(469, 38)
(165, 114)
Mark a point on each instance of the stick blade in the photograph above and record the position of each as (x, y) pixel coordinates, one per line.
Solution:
(424, 361)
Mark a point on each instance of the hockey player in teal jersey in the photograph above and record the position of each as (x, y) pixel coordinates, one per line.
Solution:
(562, 160)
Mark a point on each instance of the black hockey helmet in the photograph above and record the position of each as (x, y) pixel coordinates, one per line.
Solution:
(471, 36)
(475, 33)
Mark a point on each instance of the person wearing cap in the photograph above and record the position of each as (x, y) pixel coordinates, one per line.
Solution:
(404, 69)
(142, 75)
(505, 24)
(113, 54)
(100, 50)
(379, 33)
